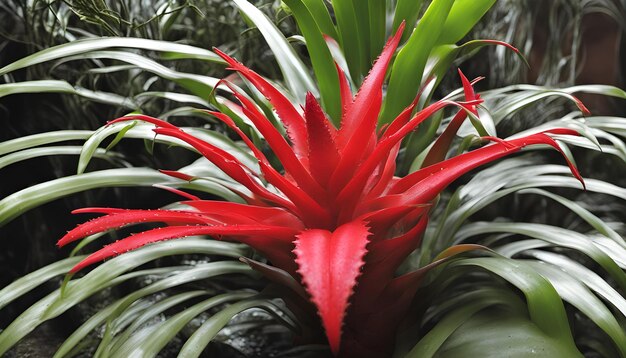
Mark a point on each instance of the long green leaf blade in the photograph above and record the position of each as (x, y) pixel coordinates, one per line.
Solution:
(87, 45)
(463, 16)
(348, 29)
(321, 58)
(295, 73)
(408, 68)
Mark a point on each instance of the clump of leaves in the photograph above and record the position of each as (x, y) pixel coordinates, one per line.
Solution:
(336, 223)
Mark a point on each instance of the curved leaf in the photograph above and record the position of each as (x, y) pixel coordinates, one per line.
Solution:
(149, 341)
(321, 58)
(202, 336)
(83, 46)
(295, 73)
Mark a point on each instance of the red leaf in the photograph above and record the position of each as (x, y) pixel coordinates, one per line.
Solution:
(97, 210)
(362, 118)
(222, 159)
(300, 198)
(428, 182)
(177, 175)
(227, 163)
(292, 164)
(468, 90)
(323, 154)
(176, 191)
(126, 217)
(439, 150)
(359, 124)
(265, 215)
(141, 117)
(358, 183)
(380, 221)
(344, 91)
(174, 232)
(377, 330)
(293, 121)
(382, 261)
(390, 140)
(330, 263)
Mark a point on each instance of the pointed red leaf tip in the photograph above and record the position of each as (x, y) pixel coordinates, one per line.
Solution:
(361, 120)
(94, 210)
(581, 106)
(330, 263)
(141, 117)
(344, 91)
(441, 146)
(358, 126)
(117, 219)
(176, 191)
(502, 43)
(177, 174)
(424, 184)
(289, 116)
(323, 154)
(175, 232)
(468, 90)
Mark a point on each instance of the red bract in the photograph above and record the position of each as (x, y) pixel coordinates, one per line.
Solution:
(336, 221)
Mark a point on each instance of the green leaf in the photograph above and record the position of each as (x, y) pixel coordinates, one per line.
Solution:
(361, 13)
(506, 109)
(554, 235)
(17, 203)
(34, 140)
(295, 73)
(152, 311)
(349, 37)
(604, 90)
(175, 97)
(591, 279)
(377, 27)
(544, 304)
(408, 68)
(463, 16)
(114, 310)
(320, 13)
(419, 140)
(43, 310)
(49, 151)
(502, 333)
(32, 280)
(199, 85)
(442, 57)
(584, 214)
(465, 306)
(120, 135)
(108, 274)
(55, 86)
(321, 58)
(505, 178)
(91, 145)
(149, 341)
(202, 336)
(407, 11)
(83, 46)
(577, 294)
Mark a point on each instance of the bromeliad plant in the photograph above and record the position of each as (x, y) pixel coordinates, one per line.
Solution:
(316, 211)
(333, 220)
